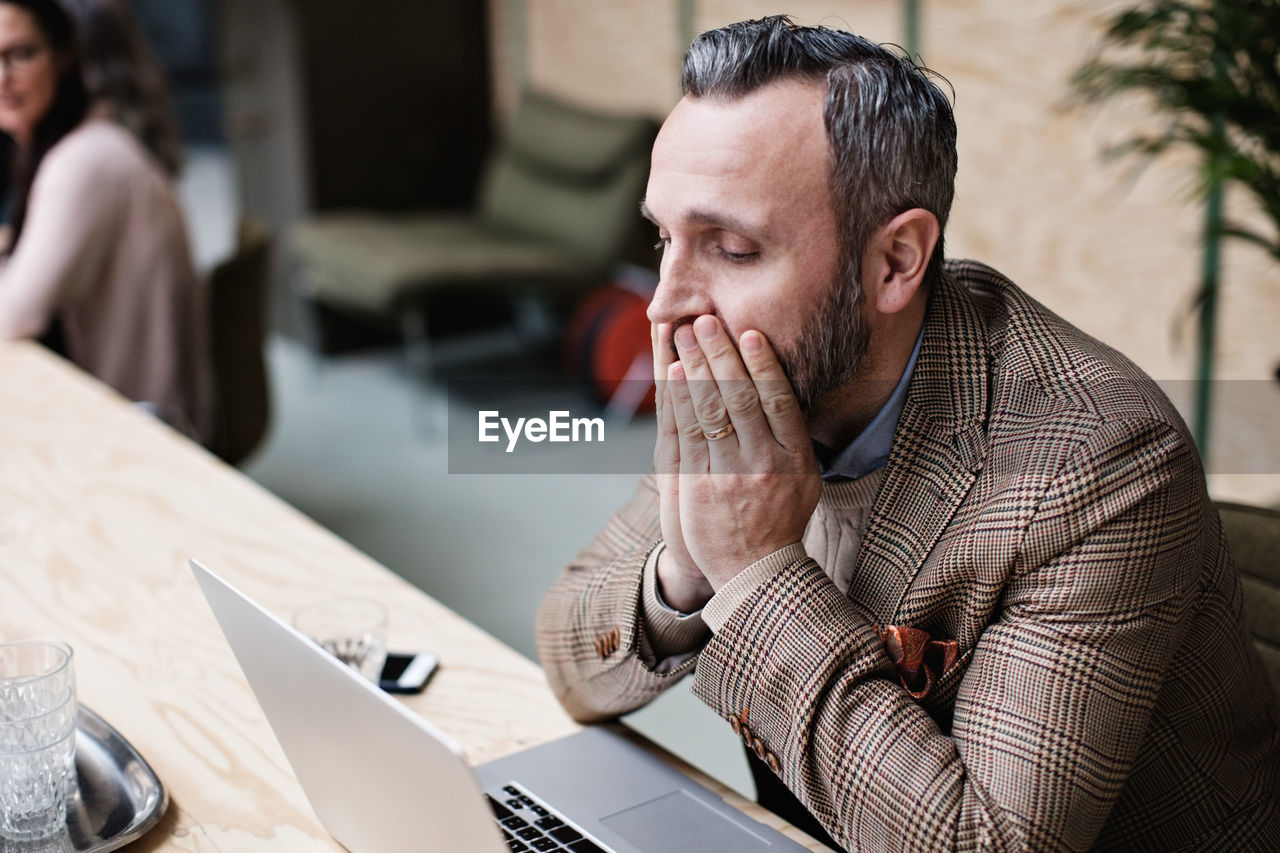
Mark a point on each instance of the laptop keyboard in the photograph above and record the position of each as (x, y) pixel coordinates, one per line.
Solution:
(528, 824)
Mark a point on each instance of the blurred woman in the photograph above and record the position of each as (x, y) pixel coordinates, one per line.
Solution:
(97, 262)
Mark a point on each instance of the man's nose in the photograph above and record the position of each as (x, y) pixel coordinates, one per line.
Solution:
(681, 293)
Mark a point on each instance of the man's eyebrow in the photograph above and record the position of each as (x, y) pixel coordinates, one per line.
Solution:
(715, 219)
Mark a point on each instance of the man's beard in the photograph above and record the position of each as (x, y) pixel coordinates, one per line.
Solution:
(830, 347)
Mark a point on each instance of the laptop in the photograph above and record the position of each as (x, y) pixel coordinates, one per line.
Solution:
(381, 778)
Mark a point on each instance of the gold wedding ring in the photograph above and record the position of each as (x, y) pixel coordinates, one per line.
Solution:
(717, 434)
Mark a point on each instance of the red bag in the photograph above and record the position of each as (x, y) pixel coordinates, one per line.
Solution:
(606, 342)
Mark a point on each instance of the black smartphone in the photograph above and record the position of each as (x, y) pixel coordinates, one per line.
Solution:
(408, 673)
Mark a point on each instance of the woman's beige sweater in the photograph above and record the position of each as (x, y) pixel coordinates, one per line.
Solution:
(105, 249)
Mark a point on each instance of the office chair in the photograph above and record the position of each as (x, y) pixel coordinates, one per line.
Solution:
(558, 208)
(238, 331)
(1253, 532)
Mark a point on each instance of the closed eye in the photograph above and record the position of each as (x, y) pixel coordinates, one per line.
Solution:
(739, 257)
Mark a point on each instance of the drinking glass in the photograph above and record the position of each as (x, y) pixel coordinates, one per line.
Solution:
(354, 630)
(37, 737)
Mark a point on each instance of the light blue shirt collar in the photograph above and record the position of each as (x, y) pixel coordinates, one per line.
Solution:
(870, 450)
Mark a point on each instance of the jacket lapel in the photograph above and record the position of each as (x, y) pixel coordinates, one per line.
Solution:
(937, 451)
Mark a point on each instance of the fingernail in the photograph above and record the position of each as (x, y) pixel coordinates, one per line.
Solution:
(752, 342)
(706, 328)
(684, 337)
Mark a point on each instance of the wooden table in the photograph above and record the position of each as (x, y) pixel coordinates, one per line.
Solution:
(100, 507)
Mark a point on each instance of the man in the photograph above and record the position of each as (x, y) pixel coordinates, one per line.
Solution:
(944, 562)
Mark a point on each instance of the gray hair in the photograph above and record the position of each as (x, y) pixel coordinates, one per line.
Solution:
(891, 129)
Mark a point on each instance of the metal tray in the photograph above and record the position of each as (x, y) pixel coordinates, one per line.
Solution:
(117, 799)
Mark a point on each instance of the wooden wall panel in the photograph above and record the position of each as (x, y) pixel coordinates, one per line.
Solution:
(620, 56)
(879, 20)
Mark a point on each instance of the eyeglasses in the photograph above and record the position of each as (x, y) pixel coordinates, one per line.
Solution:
(18, 59)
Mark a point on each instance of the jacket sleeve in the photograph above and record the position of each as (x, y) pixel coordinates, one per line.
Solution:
(1052, 708)
(73, 221)
(594, 639)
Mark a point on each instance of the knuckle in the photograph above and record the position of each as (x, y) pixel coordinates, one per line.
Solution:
(730, 484)
(801, 463)
(688, 426)
(694, 362)
(721, 350)
(775, 405)
(710, 411)
(738, 397)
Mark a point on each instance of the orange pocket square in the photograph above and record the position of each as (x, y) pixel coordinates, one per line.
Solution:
(920, 659)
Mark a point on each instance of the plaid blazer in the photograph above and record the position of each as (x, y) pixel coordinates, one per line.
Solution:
(1044, 507)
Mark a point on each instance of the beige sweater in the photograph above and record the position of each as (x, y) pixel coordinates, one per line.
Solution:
(105, 248)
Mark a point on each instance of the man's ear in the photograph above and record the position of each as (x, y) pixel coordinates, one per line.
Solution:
(897, 256)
